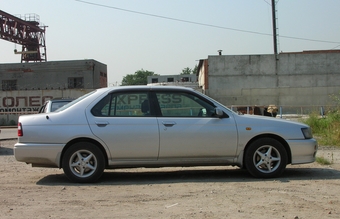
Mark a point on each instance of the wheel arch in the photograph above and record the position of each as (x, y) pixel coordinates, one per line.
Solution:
(70, 143)
(276, 137)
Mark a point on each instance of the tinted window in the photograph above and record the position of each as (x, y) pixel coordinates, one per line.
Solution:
(123, 104)
(183, 105)
(57, 105)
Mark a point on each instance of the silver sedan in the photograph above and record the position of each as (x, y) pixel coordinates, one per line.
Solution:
(150, 126)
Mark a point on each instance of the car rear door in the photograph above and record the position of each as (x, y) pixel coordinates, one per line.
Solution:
(129, 133)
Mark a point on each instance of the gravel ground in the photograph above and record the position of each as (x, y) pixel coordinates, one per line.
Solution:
(303, 191)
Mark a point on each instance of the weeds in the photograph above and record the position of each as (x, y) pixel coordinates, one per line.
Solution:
(325, 129)
(323, 161)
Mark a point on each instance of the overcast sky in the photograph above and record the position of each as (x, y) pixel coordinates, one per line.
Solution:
(166, 36)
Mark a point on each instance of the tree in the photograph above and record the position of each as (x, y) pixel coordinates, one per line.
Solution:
(140, 77)
(194, 71)
(188, 71)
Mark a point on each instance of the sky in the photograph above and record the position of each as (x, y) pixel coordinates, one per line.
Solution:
(166, 36)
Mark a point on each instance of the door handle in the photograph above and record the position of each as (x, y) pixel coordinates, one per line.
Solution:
(168, 123)
(102, 124)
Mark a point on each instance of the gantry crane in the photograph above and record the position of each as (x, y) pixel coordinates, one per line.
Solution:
(25, 32)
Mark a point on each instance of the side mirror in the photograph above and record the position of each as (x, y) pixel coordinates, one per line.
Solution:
(219, 112)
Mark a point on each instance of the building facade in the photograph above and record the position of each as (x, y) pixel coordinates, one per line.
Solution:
(80, 74)
(26, 86)
(158, 79)
(289, 79)
(188, 80)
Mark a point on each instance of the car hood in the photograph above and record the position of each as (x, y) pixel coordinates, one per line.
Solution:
(255, 125)
(267, 119)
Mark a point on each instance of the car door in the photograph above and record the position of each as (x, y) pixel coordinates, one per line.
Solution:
(127, 128)
(189, 128)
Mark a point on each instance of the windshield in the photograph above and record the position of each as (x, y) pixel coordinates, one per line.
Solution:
(74, 101)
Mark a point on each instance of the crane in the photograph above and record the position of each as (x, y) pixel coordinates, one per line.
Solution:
(27, 33)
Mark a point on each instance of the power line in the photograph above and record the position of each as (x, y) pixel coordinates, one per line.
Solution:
(203, 24)
(335, 47)
(267, 2)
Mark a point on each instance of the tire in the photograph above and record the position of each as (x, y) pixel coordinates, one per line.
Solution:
(265, 158)
(83, 162)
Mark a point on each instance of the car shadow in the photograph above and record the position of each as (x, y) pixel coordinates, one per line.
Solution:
(117, 177)
(6, 151)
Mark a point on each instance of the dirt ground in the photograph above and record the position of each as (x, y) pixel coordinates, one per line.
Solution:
(303, 191)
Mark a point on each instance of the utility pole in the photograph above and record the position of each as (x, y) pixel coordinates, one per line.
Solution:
(274, 27)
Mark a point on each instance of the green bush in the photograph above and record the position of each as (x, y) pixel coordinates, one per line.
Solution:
(12, 123)
(4, 122)
(326, 129)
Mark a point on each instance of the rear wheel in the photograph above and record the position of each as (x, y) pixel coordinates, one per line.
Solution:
(83, 162)
(266, 158)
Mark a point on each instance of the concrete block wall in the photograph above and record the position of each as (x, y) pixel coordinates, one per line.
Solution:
(54, 74)
(21, 102)
(294, 79)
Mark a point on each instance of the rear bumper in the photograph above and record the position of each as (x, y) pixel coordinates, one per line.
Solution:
(303, 151)
(40, 155)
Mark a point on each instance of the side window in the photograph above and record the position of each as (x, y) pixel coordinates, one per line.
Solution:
(123, 105)
(183, 105)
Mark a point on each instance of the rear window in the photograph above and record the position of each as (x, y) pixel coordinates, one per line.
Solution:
(75, 101)
(57, 105)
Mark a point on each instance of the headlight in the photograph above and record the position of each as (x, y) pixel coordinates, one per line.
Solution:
(307, 132)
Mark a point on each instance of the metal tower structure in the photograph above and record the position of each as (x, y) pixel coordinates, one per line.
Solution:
(25, 32)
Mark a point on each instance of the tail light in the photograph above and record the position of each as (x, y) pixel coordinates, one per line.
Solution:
(20, 132)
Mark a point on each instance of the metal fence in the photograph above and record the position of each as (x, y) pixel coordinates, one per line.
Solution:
(287, 111)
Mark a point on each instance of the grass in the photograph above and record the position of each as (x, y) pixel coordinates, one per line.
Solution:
(327, 129)
(323, 161)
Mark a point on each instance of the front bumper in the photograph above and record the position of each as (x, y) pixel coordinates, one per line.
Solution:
(303, 151)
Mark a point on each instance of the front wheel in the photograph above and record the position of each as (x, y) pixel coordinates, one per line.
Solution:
(83, 162)
(265, 158)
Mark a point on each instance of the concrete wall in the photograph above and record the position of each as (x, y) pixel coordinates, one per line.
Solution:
(39, 81)
(16, 103)
(175, 78)
(54, 74)
(297, 79)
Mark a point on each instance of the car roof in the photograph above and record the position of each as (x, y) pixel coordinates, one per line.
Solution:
(61, 99)
(144, 87)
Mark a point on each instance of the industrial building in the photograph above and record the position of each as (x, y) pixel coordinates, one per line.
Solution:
(53, 75)
(293, 80)
(27, 85)
(185, 80)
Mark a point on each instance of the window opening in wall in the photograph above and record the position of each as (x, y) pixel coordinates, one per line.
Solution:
(185, 79)
(76, 82)
(9, 84)
(170, 79)
(103, 74)
(154, 80)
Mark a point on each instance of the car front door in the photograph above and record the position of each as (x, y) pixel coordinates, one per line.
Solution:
(124, 123)
(189, 128)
